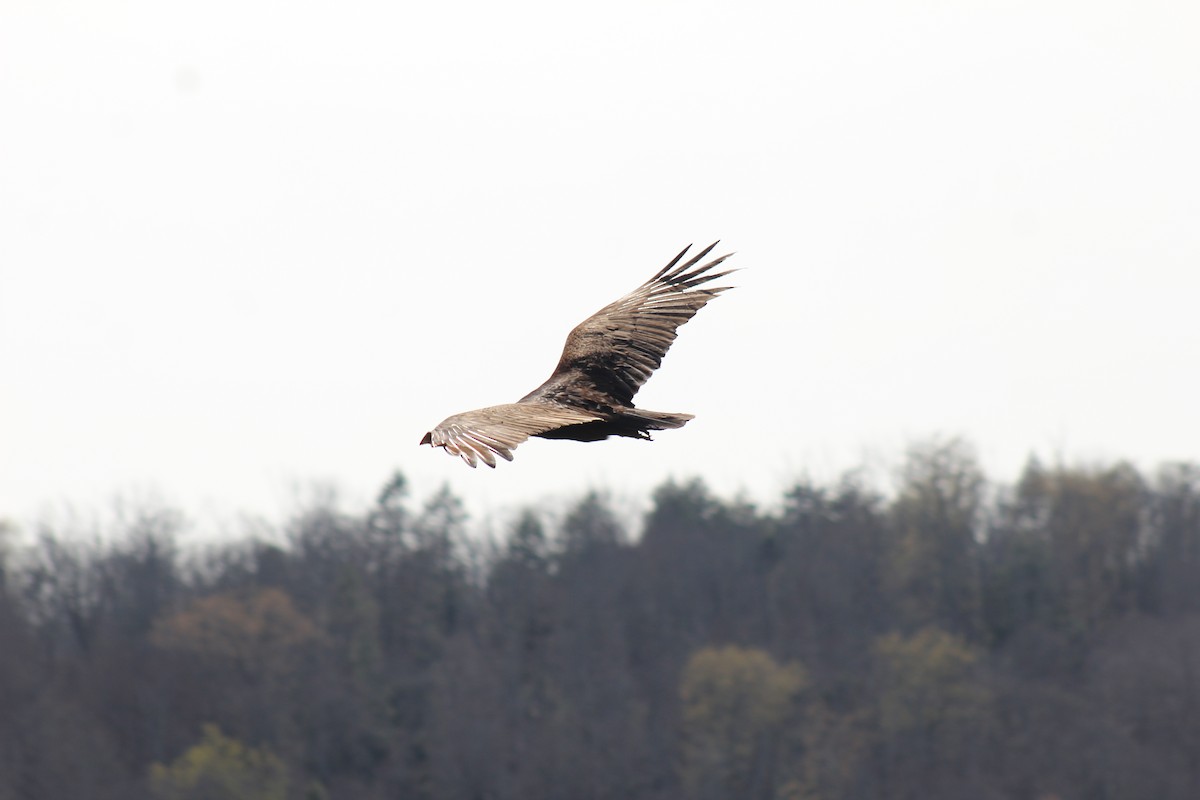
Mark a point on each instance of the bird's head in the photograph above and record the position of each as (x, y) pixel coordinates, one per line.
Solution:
(427, 439)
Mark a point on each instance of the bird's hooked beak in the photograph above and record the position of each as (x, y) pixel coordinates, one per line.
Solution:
(427, 439)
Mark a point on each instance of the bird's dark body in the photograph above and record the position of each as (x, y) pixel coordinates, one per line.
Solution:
(634, 424)
(606, 359)
(594, 431)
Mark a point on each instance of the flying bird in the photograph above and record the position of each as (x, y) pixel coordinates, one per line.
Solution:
(605, 360)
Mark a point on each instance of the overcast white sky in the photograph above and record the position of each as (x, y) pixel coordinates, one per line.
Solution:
(245, 245)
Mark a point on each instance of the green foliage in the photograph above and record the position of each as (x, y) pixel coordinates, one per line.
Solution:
(933, 569)
(1091, 522)
(220, 768)
(926, 683)
(735, 702)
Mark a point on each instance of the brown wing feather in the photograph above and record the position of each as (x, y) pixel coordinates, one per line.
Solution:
(614, 351)
(485, 433)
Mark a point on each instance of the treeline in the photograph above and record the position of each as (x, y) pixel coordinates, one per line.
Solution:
(956, 638)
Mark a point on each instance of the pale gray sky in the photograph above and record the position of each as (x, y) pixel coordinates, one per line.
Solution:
(247, 244)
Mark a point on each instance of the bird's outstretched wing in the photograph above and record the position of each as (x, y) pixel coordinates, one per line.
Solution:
(615, 350)
(485, 433)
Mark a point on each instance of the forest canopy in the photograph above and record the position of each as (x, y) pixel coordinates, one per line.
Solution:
(956, 637)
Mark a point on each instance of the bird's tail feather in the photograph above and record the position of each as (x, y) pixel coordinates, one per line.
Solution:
(657, 420)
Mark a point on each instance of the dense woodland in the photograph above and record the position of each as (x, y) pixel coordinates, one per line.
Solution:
(945, 637)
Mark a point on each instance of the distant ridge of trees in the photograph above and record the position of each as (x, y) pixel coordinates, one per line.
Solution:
(958, 638)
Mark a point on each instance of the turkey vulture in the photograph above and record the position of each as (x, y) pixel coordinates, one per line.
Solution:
(605, 361)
